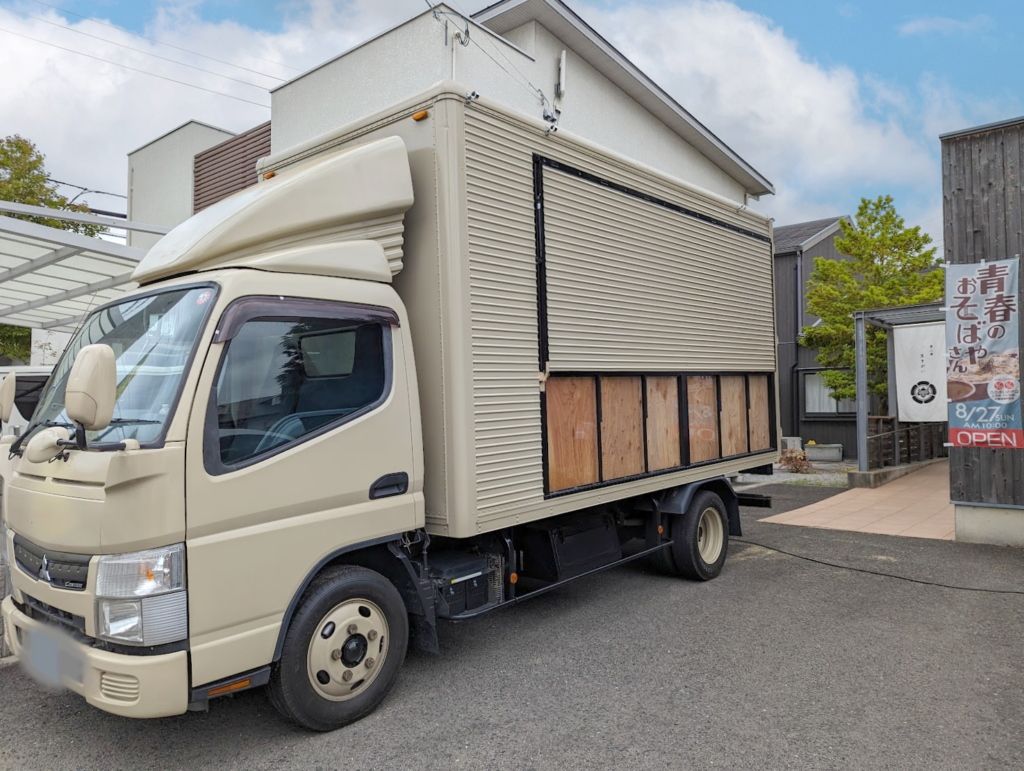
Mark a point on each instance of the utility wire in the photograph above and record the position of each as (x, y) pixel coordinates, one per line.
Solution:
(877, 572)
(169, 45)
(80, 187)
(137, 50)
(135, 69)
(522, 80)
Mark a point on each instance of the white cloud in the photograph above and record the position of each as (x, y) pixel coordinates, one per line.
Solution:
(817, 132)
(848, 10)
(825, 135)
(86, 115)
(942, 25)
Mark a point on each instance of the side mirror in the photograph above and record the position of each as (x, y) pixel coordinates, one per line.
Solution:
(92, 387)
(7, 391)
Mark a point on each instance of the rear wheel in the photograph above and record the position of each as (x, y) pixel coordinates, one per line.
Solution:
(700, 540)
(343, 649)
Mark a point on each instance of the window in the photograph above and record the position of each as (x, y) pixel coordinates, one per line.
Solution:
(282, 379)
(818, 400)
(153, 337)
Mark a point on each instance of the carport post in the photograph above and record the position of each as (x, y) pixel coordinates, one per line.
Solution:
(890, 355)
(861, 355)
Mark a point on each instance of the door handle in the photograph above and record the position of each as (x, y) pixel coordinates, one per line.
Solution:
(390, 484)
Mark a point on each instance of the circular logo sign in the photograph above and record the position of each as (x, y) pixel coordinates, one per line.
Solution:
(1003, 389)
(204, 297)
(923, 392)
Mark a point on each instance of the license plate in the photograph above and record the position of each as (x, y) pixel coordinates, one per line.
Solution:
(51, 657)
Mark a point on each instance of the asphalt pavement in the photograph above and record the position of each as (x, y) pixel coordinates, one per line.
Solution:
(780, 663)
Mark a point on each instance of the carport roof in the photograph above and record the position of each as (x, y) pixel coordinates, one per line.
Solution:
(50, 278)
(887, 318)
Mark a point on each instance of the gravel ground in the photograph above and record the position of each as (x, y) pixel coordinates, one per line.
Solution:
(778, 663)
(823, 474)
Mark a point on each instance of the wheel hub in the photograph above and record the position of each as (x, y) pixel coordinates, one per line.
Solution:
(354, 650)
(347, 650)
(710, 535)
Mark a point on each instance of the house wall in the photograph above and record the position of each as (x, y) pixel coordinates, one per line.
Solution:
(414, 56)
(795, 359)
(160, 178)
(229, 166)
(983, 216)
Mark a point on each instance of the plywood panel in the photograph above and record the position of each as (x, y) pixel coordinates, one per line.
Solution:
(760, 420)
(622, 437)
(702, 412)
(571, 406)
(662, 423)
(734, 415)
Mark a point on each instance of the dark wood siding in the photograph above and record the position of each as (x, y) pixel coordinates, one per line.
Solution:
(794, 360)
(228, 167)
(981, 202)
(786, 299)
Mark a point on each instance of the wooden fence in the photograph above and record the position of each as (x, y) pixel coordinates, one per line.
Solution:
(911, 443)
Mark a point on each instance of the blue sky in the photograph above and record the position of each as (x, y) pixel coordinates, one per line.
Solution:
(974, 48)
(831, 100)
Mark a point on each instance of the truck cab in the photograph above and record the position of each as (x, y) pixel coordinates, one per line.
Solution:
(281, 396)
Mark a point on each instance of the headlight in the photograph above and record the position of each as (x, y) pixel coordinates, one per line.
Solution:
(141, 597)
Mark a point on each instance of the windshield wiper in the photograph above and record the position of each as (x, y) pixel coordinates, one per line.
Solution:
(133, 421)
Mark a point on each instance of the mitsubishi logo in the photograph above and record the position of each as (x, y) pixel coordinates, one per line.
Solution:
(44, 571)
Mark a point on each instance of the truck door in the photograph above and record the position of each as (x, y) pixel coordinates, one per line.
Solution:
(299, 445)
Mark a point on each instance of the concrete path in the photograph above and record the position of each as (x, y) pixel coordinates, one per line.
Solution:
(916, 506)
(780, 663)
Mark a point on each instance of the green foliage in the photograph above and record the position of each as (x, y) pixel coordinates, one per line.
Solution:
(16, 343)
(889, 265)
(23, 179)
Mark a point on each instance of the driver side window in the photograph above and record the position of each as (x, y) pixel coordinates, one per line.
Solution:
(283, 380)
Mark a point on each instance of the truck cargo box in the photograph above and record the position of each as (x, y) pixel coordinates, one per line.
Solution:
(586, 329)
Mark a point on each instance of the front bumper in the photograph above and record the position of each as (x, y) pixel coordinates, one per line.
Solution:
(132, 686)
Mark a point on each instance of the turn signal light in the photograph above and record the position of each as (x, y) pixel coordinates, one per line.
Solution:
(513, 578)
(270, 174)
(230, 687)
(421, 115)
(661, 529)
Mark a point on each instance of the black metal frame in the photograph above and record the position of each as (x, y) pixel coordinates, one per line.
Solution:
(684, 432)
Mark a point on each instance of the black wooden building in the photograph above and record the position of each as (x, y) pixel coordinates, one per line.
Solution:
(983, 212)
(806, 409)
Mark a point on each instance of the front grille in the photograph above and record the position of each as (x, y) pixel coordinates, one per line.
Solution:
(119, 687)
(70, 623)
(59, 569)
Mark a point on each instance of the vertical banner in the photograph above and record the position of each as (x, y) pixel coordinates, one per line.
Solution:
(920, 366)
(983, 346)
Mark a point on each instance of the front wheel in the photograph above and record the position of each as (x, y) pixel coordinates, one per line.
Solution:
(700, 540)
(343, 649)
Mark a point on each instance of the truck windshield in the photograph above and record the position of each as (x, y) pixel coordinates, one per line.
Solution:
(153, 338)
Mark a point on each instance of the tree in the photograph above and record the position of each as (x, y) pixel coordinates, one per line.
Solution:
(889, 265)
(23, 179)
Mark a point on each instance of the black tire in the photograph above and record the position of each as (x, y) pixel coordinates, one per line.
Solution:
(291, 690)
(686, 532)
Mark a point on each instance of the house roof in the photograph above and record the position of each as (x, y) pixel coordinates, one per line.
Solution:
(981, 129)
(561, 21)
(789, 238)
(179, 128)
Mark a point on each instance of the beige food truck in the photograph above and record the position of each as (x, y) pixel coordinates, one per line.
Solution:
(435, 363)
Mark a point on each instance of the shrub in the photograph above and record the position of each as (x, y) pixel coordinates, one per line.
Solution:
(795, 461)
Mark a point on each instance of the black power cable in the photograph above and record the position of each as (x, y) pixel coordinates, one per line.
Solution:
(876, 572)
